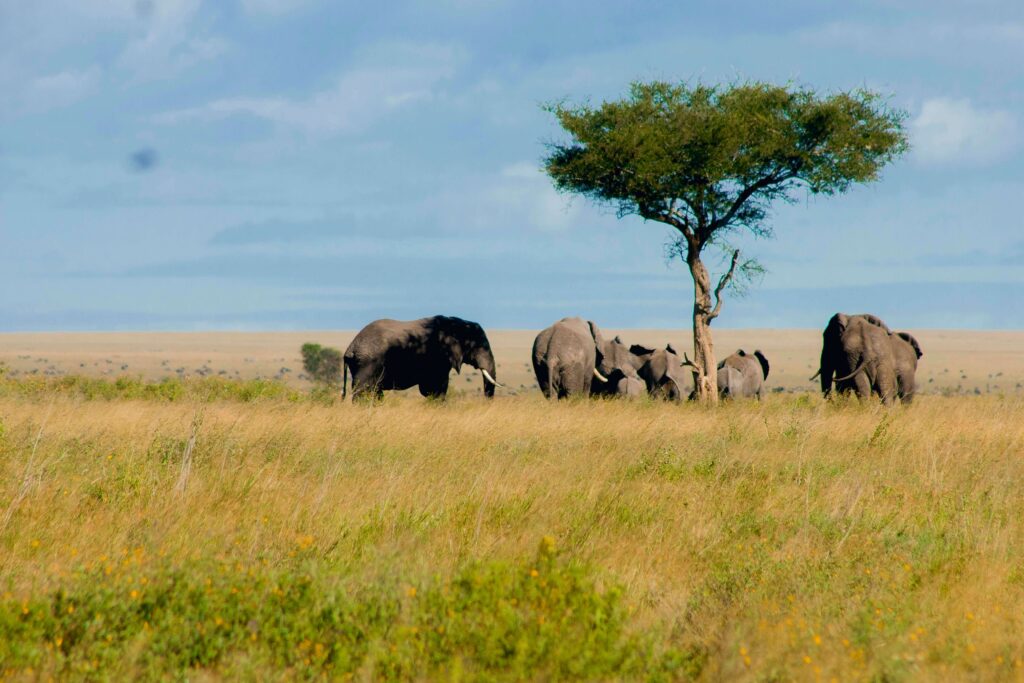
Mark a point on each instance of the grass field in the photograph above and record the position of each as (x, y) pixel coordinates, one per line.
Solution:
(212, 528)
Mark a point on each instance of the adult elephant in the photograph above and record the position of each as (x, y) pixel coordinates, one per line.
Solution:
(619, 365)
(857, 355)
(662, 371)
(906, 351)
(399, 354)
(742, 375)
(571, 354)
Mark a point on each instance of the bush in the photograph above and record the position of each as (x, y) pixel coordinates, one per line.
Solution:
(322, 363)
(536, 619)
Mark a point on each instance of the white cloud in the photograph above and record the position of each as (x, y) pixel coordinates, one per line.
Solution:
(400, 76)
(157, 39)
(518, 197)
(60, 89)
(172, 41)
(955, 131)
(525, 184)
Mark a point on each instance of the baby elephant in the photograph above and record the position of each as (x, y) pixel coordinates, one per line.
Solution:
(741, 375)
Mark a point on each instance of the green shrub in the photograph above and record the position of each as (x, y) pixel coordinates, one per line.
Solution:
(322, 363)
(491, 620)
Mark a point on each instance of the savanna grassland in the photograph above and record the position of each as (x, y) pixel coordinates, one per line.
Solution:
(955, 361)
(213, 528)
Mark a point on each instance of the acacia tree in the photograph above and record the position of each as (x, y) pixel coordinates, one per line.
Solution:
(709, 161)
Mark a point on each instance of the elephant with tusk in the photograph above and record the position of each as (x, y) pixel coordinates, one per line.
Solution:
(399, 354)
(621, 366)
(857, 355)
(572, 358)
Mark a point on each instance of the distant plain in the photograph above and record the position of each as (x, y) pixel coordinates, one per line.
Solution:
(955, 361)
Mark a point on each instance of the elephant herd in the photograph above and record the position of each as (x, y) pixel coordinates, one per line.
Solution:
(573, 357)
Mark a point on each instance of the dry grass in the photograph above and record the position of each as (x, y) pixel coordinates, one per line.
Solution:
(791, 539)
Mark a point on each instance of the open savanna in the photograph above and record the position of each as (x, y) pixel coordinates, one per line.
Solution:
(955, 361)
(219, 529)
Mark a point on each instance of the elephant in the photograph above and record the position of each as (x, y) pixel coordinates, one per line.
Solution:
(399, 354)
(906, 351)
(661, 371)
(571, 353)
(857, 355)
(742, 375)
(730, 382)
(620, 366)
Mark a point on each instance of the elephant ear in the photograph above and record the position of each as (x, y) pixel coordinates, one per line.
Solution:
(595, 332)
(763, 361)
(453, 349)
(638, 350)
(839, 321)
(907, 337)
(875, 320)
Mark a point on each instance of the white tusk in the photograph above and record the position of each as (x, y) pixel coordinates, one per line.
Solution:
(491, 379)
(600, 376)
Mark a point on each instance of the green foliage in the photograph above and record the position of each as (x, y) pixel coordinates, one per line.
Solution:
(322, 363)
(705, 159)
(330, 366)
(170, 389)
(489, 621)
(311, 358)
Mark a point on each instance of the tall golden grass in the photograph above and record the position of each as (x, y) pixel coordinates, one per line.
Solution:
(788, 539)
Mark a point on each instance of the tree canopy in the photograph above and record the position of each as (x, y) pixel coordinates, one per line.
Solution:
(703, 158)
(709, 160)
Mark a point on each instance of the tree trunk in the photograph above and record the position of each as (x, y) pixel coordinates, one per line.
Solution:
(705, 372)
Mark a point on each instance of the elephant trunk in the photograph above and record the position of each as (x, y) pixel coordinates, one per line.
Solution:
(485, 363)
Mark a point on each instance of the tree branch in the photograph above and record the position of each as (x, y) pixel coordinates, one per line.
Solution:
(747, 192)
(677, 220)
(722, 282)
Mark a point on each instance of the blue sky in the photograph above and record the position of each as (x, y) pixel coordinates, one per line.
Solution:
(284, 164)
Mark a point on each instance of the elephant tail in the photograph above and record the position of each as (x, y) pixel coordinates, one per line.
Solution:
(863, 363)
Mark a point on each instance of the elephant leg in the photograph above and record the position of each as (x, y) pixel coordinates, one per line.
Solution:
(367, 393)
(905, 388)
(887, 388)
(436, 387)
(583, 377)
(673, 391)
(862, 385)
(574, 382)
(543, 378)
(366, 384)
